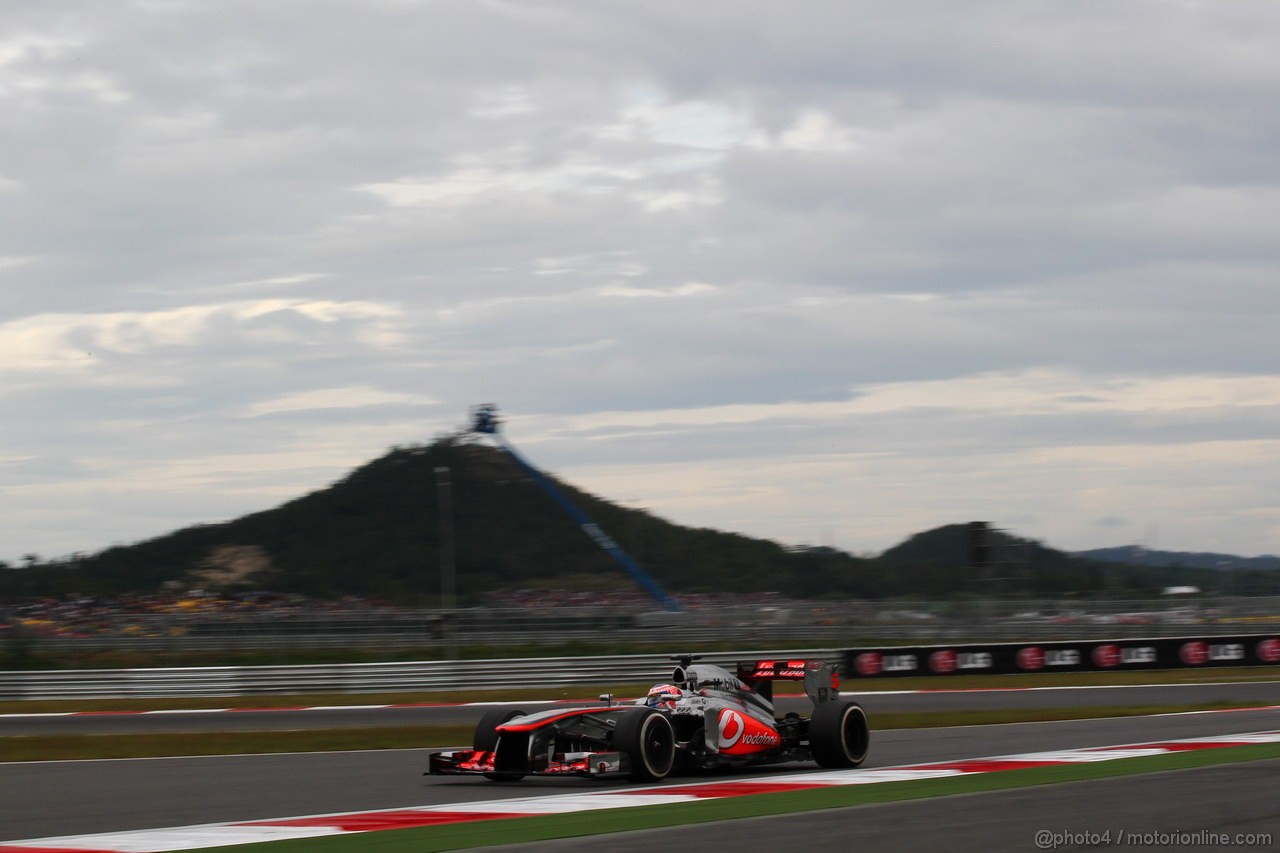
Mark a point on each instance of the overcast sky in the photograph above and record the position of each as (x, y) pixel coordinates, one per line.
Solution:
(820, 272)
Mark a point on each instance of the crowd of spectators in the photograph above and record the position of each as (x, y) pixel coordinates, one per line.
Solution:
(630, 599)
(173, 613)
(147, 614)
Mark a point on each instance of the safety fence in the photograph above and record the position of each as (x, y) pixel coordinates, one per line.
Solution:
(817, 624)
(1110, 654)
(545, 673)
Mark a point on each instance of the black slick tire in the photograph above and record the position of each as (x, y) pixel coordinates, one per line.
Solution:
(839, 735)
(486, 738)
(649, 740)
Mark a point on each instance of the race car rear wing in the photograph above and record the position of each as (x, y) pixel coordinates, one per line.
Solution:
(821, 680)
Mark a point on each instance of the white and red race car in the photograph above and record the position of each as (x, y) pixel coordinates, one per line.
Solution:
(705, 717)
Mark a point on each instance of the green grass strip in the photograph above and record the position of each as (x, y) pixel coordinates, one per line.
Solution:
(85, 747)
(308, 700)
(526, 829)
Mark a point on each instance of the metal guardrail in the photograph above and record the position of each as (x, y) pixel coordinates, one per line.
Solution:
(359, 678)
(693, 636)
(814, 624)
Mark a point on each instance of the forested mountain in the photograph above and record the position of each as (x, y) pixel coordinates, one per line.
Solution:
(378, 532)
(1194, 559)
(939, 560)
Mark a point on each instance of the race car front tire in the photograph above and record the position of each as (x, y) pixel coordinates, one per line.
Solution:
(486, 738)
(839, 734)
(649, 740)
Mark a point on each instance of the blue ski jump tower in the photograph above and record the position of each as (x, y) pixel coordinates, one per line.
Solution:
(485, 421)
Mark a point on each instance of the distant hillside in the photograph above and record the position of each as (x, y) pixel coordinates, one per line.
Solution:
(1138, 555)
(1024, 566)
(377, 533)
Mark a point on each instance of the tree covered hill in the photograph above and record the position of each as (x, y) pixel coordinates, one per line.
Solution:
(938, 559)
(1194, 559)
(377, 533)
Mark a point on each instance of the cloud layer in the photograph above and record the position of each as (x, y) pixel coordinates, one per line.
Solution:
(832, 273)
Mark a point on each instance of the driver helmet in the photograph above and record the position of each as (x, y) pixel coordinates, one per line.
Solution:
(662, 695)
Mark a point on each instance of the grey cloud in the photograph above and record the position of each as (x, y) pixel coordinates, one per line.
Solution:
(867, 193)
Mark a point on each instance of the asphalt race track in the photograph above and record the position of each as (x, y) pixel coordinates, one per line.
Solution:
(62, 798)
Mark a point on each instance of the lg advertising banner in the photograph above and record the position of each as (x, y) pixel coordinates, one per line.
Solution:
(1067, 656)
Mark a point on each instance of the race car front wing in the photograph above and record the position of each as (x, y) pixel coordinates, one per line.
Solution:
(596, 765)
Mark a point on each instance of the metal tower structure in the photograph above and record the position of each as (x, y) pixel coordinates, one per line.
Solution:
(485, 421)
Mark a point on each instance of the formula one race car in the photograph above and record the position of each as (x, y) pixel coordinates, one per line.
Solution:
(704, 718)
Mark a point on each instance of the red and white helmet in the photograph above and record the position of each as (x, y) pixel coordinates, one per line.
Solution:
(663, 694)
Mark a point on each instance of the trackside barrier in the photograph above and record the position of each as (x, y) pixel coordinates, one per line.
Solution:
(360, 678)
(49, 629)
(1077, 656)
(1067, 656)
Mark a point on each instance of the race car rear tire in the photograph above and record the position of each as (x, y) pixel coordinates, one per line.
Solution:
(486, 738)
(839, 734)
(649, 740)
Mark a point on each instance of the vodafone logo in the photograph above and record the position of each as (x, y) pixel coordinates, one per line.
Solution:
(1194, 653)
(943, 660)
(869, 663)
(1269, 650)
(731, 728)
(1106, 656)
(1031, 658)
(743, 736)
